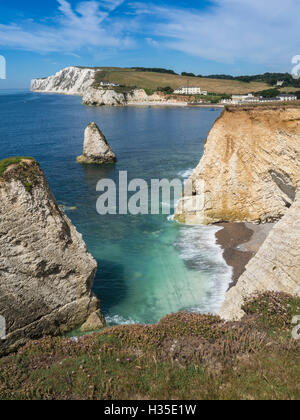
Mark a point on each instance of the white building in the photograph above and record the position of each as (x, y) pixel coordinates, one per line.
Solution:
(241, 99)
(287, 97)
(108, 84)
(193, 90)
(250, 99)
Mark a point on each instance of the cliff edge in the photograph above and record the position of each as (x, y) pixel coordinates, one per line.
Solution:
(250, 172)
(46, 272)
(276, 266)
(250, 167)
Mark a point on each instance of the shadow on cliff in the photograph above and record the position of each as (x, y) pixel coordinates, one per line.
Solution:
(109, 278)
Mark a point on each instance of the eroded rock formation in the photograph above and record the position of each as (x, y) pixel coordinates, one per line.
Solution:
(250, 167)
(96, 149)
(46, 272)
(275, 267)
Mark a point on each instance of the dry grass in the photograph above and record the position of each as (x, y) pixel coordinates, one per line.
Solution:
(149, 80)
(185, 356)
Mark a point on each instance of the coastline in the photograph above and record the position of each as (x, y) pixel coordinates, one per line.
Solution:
(240, 242)
(144, 103)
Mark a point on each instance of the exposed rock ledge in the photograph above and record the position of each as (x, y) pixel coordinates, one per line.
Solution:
(275, 267)
(46, 272)
(250, 171)
(99, 97)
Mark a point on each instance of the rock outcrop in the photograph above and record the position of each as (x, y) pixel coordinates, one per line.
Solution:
(276, 266)
(46, 272)
(81, 81)
(100, 97)
(250, 167)
(96, 149)
(69, 81)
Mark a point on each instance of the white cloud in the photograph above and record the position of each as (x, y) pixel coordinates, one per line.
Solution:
(84, 26)
(264, 32)
(152, 42)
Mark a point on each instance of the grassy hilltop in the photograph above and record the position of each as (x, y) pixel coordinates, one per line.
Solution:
(154, 80)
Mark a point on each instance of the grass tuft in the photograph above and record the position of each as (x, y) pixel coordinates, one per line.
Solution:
(5, 163)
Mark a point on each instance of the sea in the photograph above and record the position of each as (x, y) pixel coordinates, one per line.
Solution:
(149, 265)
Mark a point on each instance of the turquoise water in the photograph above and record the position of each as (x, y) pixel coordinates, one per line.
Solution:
(149, 266)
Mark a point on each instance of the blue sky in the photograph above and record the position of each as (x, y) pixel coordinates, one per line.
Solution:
(205, 36)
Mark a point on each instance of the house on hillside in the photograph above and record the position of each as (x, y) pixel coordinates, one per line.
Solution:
(192, 90)
(242, 99)
(287, 97)
(108, 84)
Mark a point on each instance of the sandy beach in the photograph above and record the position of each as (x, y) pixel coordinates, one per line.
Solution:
(240, 242)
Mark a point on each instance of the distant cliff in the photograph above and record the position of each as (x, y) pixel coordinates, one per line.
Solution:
(80, 81)
(46, 272)
(69, 81)
(250, 168)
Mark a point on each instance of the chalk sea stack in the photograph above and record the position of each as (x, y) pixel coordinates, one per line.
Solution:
(96, 149)
(46, 272)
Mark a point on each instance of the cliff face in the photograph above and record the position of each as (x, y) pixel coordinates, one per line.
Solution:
(250, 167)
(80, 81)
(275, 267)
(46, 272)
(99, 97)
(69, 81)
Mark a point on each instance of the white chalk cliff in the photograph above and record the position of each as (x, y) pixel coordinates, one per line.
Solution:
(69, 81)
(46, 272)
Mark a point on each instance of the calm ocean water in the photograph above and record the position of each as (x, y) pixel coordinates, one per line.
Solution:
(149, 266)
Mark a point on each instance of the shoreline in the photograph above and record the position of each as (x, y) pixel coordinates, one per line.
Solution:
(240, 242)
(142, 104)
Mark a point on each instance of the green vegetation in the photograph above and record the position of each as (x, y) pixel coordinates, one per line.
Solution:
(269, 93)
(185, 356)
(28, 186)
(5, 163)
(154, 70)
(167, 90)
(188, 74)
